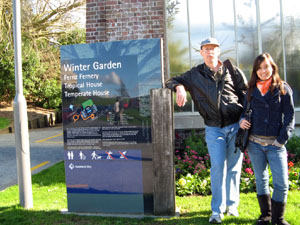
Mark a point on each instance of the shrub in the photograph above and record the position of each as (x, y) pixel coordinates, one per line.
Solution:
(248, 183)
(197, 143)
(193, 184)
(293, 148)
(193, 163)
(192, 167)
(294, 176)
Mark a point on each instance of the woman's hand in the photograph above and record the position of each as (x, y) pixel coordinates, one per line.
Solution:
(245, 124)
(276, 143)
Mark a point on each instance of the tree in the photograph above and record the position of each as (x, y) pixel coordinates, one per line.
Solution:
(44, 24)
(177, 64)
(172, 9)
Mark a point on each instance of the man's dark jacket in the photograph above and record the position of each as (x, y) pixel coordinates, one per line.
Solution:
(216, 99)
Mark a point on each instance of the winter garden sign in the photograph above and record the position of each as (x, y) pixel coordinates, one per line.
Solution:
(107, 124)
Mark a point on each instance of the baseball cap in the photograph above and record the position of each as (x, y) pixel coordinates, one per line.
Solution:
(210, 41)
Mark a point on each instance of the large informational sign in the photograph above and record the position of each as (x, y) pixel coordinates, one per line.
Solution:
(107, 124)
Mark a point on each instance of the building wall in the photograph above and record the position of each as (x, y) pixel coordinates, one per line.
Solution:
(116, 20)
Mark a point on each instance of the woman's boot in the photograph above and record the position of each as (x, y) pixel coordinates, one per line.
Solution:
(265, 209)
(278, 209)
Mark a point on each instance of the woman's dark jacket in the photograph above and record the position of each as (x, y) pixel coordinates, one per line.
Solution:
(216, 99)
(273, 114)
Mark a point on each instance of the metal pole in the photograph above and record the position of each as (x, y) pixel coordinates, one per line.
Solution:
(283, 40)
(189, 32)
(212, 23)
(258, 27)
(166, 64)
(20, 119)
(236, 34)
(189, 37)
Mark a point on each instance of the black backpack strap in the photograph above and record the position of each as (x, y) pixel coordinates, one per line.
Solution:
(227, 63)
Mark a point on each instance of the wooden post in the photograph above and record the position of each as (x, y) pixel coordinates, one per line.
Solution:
(163, 152)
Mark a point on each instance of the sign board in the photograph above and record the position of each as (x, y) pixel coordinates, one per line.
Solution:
(107, 124)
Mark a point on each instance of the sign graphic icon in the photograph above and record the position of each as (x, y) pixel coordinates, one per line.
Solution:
(82, 156)
(71, 166)
(109, 156)
(70, 155)
(123, 155)
(95, 156)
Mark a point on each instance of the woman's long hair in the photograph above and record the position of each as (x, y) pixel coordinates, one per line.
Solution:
(276, 80)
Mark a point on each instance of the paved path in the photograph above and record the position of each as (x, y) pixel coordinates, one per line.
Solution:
(46, 149)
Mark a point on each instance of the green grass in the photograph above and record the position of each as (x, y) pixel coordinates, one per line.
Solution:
(4, 122)
(49, 196)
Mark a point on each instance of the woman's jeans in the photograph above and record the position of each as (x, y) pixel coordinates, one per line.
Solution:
(226, 165)
(260, 156)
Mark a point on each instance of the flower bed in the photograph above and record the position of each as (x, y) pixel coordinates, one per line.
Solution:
(193, 174)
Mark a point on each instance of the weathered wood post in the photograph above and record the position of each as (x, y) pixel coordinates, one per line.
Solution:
(163, 152)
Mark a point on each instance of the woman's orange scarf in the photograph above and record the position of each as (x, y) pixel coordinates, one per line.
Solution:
(264, 85)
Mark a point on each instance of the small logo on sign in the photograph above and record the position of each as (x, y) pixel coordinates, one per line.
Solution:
(71, 166)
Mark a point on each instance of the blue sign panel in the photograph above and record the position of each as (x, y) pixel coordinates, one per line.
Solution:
(107, 124)
(112, 172)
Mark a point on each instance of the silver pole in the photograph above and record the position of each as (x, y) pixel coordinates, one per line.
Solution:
(20, 119)
(189, 36)
(212, 23)
(189, 32)
(236, 34)
(166, 44)
(283, 40)
(258, 27)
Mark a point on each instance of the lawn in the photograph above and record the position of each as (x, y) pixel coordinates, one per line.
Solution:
(4, 122)
(49, 196)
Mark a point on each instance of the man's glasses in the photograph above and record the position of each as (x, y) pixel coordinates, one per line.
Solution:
(209, 49)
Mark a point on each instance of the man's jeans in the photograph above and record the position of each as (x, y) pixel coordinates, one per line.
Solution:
(260, 156)
(226, 166)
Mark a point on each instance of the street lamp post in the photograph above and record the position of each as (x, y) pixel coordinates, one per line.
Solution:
(20, 119)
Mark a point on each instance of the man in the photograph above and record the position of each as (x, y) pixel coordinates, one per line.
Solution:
(215, 93)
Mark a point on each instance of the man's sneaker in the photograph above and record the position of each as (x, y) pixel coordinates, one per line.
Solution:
(232, 211)
(216, 217)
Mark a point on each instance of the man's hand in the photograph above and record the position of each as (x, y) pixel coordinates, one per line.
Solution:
(180, 96)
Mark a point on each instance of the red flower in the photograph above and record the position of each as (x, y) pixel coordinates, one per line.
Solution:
(249, 171)
(291, 164)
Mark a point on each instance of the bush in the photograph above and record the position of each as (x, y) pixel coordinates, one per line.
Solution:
(293, 148)
(197, 143)
(193, 174)
(191, 162)
(248, 183)
(40, 68)
(193, 184)
(294, 176)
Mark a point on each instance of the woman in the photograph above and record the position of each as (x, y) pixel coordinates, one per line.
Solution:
(272, 122)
